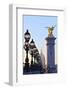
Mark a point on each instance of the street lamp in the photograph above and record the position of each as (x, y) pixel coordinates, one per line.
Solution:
(32, 46)
(27, 37)
(36, 53)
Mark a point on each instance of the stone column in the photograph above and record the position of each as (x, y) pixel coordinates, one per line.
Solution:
(51, 67)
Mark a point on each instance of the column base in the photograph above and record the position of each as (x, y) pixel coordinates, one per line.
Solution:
(52, 69)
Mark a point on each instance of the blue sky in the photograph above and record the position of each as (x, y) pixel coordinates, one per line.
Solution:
(36, 26)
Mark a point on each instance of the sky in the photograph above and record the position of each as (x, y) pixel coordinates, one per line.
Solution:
(37, 28)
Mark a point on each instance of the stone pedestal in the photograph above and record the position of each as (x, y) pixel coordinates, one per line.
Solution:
(51, 67)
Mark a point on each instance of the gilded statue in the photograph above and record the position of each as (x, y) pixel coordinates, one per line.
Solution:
(50, 31)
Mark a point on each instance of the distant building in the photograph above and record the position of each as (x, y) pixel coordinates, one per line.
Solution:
(42, 60)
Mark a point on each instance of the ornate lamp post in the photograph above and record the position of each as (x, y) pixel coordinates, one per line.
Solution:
(27, 37)
(36, 53)
(32, 46)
